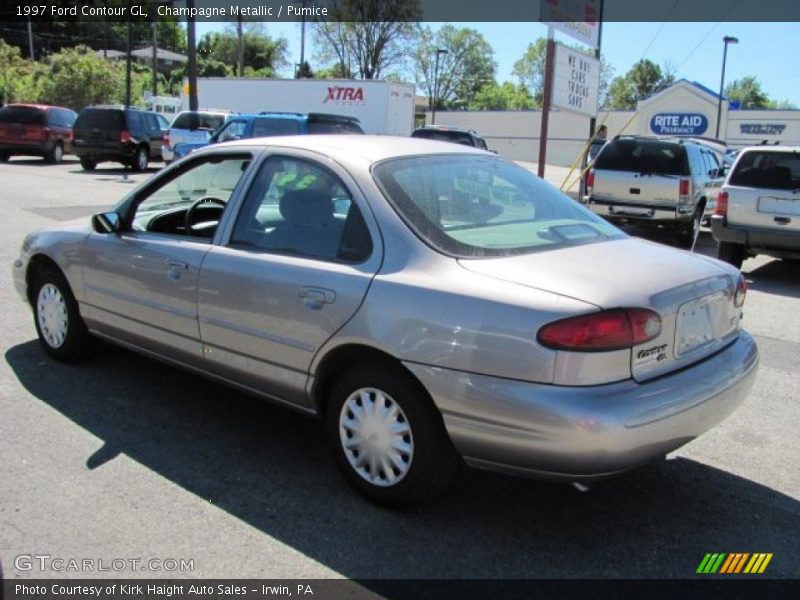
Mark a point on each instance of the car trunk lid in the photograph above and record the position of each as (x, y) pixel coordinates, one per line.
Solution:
(693, 295)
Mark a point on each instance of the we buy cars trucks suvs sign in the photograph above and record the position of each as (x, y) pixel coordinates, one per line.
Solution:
(382, 107)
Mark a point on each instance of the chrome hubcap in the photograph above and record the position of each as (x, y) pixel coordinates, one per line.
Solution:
(376, 437)
(57, 153)
(142, 160)
(51, 312)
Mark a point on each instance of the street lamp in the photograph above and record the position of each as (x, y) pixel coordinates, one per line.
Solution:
(436, 84)
(728, 39)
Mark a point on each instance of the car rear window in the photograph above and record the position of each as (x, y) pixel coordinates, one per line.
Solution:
(268, 127)
(483, 206)
(776, 170)
(194, 121)
(98, 118)
(458, 137)
(24, 115)
(643, 156)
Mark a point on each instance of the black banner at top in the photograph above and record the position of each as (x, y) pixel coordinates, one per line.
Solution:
(403, 10)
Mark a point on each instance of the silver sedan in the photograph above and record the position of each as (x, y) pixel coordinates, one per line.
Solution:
(433, 305)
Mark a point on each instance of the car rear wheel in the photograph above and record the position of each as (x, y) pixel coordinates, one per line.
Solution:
(59, 325)
(55, 155)
(388, 438)
(4, 156)
(687, 238)
(731, 253)
(88, 164)
(140, 160)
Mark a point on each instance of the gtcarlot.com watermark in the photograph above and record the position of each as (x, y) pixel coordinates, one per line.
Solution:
(58, 564)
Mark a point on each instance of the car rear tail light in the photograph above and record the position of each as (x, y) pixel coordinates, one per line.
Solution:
(741, 292)
(685, 190)
(590, 182)
(607, 330)
(124, 137)
(722, 204)
(71, 135)
(165, 139)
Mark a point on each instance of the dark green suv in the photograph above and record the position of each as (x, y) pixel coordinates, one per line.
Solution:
(129, 136)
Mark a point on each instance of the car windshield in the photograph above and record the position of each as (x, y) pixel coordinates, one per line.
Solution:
(322, 125)
(643, 156)
(775, 170)
(268, 127)
(479, 206)
(22, 114)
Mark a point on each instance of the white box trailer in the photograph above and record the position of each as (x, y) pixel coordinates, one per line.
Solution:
(383, 107)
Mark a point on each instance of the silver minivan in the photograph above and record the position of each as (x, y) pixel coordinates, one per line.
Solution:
(655, 182)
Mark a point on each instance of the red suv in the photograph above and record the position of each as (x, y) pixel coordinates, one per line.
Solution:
(36, 130)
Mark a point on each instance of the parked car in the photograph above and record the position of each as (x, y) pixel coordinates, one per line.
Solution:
(35, 130)
(129, 136)
(191, 126)
(758, 208)
(457, 135)
(267, 124)
(313, 271)
(654, 182)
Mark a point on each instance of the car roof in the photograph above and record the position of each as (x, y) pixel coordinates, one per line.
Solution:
(770, 148)
(445, 128)
(30, 105)
(372, 148)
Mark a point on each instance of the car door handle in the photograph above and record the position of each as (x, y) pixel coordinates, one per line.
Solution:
(783, 220)
(315, 297)
(177, 265)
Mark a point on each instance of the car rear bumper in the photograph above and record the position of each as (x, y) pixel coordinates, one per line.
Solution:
(36, 149)
(756, 239)
(585, 433)
(641, 212)
(167, 153)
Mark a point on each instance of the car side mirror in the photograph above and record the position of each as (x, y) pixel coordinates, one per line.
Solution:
(109, 222)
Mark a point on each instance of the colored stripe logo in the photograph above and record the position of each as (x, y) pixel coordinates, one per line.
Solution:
(734, 563)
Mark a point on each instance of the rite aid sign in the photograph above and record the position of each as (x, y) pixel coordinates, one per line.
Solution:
(679, 124)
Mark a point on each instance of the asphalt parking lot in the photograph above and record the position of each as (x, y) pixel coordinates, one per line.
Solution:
(123, 457)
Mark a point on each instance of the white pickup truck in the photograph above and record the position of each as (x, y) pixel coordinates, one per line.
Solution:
(758, 207)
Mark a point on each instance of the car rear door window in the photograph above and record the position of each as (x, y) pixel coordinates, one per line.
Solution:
(23, 115)
(300, 208)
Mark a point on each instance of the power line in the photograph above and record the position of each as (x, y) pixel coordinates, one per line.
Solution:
(710, 31)
(664, 22)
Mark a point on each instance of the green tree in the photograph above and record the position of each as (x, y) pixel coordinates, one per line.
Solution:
(642, 80)
(747, 91)
(507, 96)
(365, 38)
(263, 55)
(465, 66)
(21, 80)
(77, 77)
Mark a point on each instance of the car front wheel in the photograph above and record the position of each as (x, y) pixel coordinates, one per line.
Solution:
(88, 164)
(731, 253)
(59, 325)
(388, 438)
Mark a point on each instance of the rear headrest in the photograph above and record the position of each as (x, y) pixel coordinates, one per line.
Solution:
(306, 207)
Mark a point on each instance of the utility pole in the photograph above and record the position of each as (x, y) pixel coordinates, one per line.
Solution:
(192, 56)
(155, 56)
(30, 40)
(128, 63)
(547, 92)
(593, 120)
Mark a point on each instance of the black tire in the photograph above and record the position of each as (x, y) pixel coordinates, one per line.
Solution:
(140, 160)
(4, 156)
(88, 164)
(55, 154)
(731, 253)
(430, 461)
(49, 291)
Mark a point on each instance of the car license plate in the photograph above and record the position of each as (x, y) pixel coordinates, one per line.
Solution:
(778, 206)
(702, 321)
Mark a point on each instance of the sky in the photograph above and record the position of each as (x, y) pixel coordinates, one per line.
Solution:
(768, 51)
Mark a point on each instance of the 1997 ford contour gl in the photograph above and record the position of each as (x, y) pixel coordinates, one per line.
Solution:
(429, 303)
